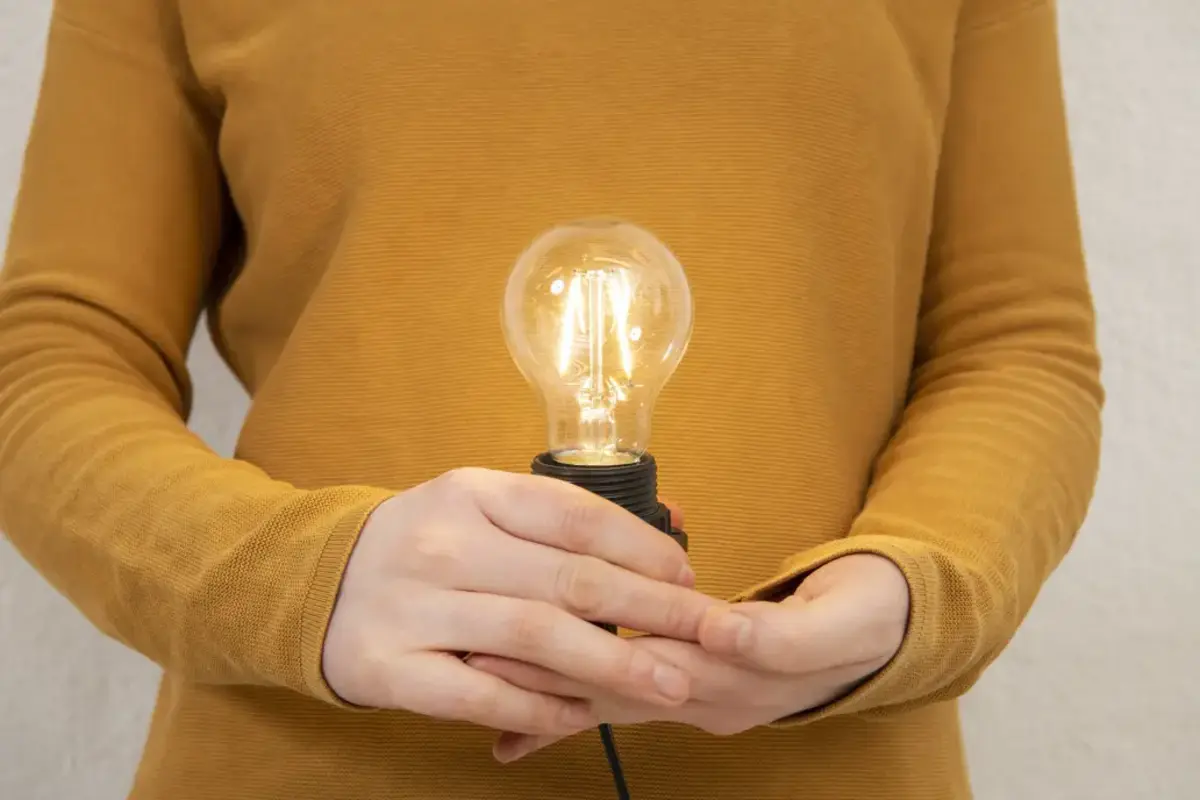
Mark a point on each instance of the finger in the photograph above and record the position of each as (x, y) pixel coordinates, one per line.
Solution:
(555, 513)
(821, 634)
(677, 518)
(713, 681)
(441, 686)
(532, 678)
(510, 747)
(716, 680)
(607, 708)
(540, 634)
(718, 719)
(588, 588)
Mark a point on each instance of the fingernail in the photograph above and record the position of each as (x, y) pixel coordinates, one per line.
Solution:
(687, 577)
(507, 755)
(671, 683)
(734, 628)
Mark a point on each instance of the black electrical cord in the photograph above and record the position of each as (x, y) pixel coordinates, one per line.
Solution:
(634, 487)
(614, 761)
(610, 750)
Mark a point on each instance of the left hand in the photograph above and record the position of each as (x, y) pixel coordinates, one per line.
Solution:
(756, 662)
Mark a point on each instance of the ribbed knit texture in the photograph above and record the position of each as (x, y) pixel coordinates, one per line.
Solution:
(893, 349)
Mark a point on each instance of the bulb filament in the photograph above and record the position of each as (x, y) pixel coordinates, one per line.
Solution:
(598, 301)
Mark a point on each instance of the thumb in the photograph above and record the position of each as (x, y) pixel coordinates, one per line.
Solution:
(791, 637)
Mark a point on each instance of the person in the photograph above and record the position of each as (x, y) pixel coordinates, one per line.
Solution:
(884, 433)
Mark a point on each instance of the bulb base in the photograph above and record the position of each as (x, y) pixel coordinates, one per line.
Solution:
(634, 487)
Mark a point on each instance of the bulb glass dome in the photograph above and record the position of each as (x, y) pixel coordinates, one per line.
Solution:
(597, 315)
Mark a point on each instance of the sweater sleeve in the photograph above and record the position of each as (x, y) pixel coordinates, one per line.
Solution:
(987, 478)
(207, 566)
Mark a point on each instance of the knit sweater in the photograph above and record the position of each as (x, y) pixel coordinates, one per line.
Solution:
(893, 349)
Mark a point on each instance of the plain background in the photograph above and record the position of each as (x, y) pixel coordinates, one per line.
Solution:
(1098, 697)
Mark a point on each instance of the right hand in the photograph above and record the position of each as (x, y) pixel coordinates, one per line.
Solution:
(516, 566)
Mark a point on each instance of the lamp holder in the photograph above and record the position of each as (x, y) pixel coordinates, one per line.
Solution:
(634, 487)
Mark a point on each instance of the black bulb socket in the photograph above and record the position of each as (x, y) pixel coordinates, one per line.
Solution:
(634, 487)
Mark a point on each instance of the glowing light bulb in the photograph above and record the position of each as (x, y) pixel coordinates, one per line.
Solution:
(597, 315)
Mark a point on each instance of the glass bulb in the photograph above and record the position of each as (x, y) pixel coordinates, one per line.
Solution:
(597, 315)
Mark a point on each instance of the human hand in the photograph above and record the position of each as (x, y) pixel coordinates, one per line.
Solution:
(516, 566)
(756, 662)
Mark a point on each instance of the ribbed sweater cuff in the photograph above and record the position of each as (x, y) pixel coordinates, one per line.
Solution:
(323, 591)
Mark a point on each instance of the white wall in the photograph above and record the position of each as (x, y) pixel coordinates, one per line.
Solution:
(1098, 697)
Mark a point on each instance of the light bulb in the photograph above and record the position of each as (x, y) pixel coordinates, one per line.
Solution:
(597, 315)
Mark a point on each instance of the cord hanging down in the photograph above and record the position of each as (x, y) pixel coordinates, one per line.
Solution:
(634, 487)
(614, 761)
(610, 750)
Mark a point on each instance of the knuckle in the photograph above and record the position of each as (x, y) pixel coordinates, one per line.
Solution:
(435, 553)
(553, 717)
(635, 666)
(458, 481)
(530, 630)
(581, 586)
(477, 703)
(680, 617)
(578, 522)
(673, 559)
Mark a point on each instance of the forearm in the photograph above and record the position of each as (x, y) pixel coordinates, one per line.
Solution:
(988, 476)
(205, 565)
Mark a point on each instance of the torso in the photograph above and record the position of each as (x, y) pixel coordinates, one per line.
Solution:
(390, 160)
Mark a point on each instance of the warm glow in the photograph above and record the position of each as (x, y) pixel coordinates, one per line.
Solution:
(597, 314)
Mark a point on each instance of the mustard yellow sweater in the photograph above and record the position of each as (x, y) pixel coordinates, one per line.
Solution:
(893, 349)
